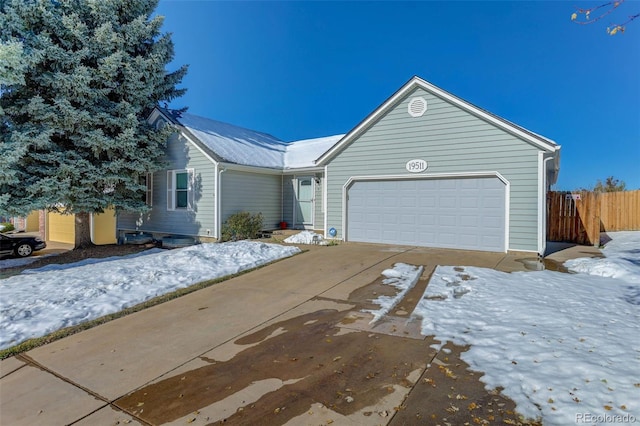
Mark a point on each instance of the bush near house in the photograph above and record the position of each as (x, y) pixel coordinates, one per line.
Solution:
(6, 227)
(241, 226)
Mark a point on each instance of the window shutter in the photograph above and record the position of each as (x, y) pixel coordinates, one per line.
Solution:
(150, 189)
(171, 198)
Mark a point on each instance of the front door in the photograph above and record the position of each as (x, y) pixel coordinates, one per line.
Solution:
(304, 204)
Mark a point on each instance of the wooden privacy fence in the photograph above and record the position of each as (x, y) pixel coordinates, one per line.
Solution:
(579, 217)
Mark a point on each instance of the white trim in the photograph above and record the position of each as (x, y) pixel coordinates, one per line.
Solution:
(197, 146)
(181, 133)
(250, 169)
(507, 195)
(301, 170)
(416, 82)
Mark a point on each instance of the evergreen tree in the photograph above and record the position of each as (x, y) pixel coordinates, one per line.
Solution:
(74, 131)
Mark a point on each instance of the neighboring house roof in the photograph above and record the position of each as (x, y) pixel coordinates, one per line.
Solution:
(246, 147)
(416, 82)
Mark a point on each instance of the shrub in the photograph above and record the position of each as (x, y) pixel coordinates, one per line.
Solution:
(241, 226)
(6, 227)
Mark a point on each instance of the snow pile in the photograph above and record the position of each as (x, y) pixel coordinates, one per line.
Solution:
(403, 277)
(62, 266)
(306, 237)
(559, 344)
(622, 259)
(10, 262)
(41, 302)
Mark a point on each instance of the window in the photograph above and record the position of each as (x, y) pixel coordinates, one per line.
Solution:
(147, 180)
(179, 189)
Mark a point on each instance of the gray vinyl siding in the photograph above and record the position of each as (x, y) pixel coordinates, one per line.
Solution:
(200, 221)
(451, 140)
(254, 193)
(288, 197)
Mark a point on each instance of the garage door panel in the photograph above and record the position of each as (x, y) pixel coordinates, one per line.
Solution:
(464, 213)
(494, 223)
(373, 217)
(406, 219)
(447, 201)
(446, 220)
(428, 238)
(445, 183)
(490, 240)
(469, 202)
(426, 220)
(469, 240)
(468, 221)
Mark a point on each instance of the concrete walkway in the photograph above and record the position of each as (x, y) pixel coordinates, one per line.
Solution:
(91, 377)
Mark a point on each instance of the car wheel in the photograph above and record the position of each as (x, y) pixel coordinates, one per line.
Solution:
(24, 250)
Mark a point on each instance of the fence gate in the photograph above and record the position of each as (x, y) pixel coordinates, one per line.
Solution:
(573, 217)
(579, 217)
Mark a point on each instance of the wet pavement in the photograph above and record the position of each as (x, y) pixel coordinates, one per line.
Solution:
(285, 344)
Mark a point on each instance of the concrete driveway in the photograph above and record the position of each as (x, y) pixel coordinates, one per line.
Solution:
(284, 344)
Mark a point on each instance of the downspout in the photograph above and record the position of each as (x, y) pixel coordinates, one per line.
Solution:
(215, 199)
(219, 203)
(543, 240)
(325, 198)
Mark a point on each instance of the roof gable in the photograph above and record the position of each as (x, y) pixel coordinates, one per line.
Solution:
(538, 141)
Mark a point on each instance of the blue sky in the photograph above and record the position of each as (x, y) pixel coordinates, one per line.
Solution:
(300, 70)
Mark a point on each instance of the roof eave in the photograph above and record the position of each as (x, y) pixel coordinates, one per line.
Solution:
(416, 82)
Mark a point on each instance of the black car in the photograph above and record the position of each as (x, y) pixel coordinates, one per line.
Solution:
(19, 244)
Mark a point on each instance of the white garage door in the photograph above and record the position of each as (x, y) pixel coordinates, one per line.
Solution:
(460, 213)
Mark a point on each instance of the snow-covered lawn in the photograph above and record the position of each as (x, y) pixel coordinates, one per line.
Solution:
(43, 300)
(565, 347)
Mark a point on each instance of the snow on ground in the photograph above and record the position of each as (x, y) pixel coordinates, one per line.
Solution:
(44, 300)
(622, 259)
(11, 262)
(306, 237)
(561, 345)
(565, 347)
(401, 276)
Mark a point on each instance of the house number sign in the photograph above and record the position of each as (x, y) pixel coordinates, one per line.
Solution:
(416, 166)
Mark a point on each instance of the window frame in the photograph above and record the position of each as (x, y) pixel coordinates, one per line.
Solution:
(172, 191)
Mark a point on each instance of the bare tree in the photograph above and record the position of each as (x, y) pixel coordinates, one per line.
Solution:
(585, 16)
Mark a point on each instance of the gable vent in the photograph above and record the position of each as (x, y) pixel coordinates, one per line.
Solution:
(417, 106)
